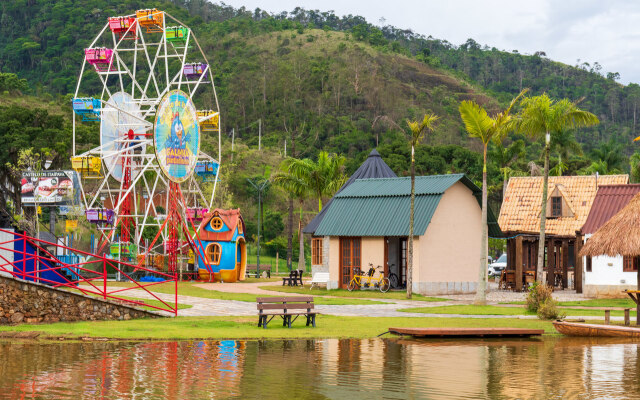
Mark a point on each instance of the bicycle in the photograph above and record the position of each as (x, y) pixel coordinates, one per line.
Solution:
(393, 278)
(361, 280)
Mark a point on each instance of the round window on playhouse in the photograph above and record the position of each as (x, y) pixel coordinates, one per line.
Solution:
(216, 223)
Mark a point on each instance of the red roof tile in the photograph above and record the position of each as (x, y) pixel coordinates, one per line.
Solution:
(231, 218)
(609, 200)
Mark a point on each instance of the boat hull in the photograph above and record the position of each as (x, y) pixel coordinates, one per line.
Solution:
(594, 330)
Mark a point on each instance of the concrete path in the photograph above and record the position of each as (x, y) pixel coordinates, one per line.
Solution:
(215, 307)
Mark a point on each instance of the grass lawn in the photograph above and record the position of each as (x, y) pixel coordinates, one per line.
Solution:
(367, 294)
(498, 310)
(246, 327)
(189, 289)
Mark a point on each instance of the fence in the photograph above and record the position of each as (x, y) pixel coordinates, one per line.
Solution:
(34, 259)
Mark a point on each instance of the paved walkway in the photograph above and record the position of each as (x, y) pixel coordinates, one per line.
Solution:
(215, 307)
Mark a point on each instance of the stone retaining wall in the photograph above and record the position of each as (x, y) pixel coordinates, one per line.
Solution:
(28, 302)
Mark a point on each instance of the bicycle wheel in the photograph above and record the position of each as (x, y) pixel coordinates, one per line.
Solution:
(393, 280)
(352, 285)
(384, 285)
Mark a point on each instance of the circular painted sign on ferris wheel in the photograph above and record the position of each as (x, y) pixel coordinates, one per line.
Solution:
(177, 136)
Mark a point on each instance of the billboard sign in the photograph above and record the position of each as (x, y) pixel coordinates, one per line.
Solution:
(177, 136)
(49, 188)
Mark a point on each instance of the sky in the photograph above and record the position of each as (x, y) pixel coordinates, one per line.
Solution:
(607, 32)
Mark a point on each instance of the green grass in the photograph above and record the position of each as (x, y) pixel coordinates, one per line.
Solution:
(366, 294)
(498, 310)
(189, 289)
(246, 327)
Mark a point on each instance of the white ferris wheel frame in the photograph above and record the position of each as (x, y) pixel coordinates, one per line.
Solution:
(147, 104)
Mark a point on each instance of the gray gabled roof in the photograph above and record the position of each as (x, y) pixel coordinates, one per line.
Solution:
(373, 167)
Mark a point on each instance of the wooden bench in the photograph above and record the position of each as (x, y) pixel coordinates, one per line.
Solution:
(253, 268)
(285, 307)
(294, 278)
(319, 278)
(627, 316)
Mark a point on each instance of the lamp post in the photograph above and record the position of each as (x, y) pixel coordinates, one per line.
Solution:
(259, 188)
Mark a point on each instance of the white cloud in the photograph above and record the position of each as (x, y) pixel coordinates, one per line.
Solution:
(567, 30)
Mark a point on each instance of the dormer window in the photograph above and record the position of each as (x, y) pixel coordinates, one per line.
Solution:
(556, 206)
(216, 223)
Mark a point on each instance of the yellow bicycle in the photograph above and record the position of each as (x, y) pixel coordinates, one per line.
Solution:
(361, 280)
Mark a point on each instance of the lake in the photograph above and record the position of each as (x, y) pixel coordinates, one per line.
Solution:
(550, 368)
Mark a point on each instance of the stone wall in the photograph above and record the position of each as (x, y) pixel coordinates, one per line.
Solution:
(28, 302)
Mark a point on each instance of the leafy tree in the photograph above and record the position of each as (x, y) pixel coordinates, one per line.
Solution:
(303, 178)
(505, 156)
(542, 116)
(481, 126)
(417, 133)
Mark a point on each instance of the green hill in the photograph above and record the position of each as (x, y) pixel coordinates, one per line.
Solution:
(318, 81)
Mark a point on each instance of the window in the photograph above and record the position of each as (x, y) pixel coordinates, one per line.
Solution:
(589, 264)
(240, 228)
(556, 206)
(316, 251)
(214, 251)
(216, 223)
(630, 264)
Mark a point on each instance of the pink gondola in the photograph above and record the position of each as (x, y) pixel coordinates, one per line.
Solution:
(99, 57)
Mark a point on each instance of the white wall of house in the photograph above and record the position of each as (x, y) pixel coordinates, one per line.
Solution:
(607, 278)
(449, 252)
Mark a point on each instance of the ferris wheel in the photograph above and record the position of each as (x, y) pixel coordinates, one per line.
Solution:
(155, 100)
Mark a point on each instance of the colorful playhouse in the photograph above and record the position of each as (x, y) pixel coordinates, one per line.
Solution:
(222, 237)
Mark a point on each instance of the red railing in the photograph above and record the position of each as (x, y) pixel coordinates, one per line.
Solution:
(88, 276)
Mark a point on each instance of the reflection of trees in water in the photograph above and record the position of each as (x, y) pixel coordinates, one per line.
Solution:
(318, 369)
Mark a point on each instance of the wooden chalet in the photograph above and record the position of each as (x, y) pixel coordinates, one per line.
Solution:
(568, 204)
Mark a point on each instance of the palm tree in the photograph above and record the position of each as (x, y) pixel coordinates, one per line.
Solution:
(417, 132)
(306, 178)
(543, 116)
(505, 156)
(480, 125)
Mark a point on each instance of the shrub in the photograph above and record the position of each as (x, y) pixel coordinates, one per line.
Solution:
(548, 309)
(538, 294)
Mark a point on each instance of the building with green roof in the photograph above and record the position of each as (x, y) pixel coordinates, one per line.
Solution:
(368, 224)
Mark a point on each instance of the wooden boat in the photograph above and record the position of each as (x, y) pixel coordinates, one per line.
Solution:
(595, 330)
(466, 332)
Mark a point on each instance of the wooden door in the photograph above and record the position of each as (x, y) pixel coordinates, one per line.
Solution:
(349, 259)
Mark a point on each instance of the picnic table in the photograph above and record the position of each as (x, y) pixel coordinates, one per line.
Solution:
(294, 278)
(286, 308)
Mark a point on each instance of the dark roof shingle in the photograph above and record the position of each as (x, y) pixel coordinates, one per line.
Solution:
(608, 201)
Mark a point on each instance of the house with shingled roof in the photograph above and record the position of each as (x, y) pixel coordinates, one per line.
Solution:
(569, 201)
(368, 225)
(606, 276)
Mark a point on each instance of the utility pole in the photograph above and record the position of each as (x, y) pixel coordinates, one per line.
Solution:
(259, 188)
(259, 133)
(233, 139)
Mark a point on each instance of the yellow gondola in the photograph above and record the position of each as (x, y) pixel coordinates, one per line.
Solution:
(87, 166)
(211, 123)
(150, 18)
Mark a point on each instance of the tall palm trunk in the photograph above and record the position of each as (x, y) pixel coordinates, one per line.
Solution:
(543, 209)
(413, 197)
(301, 260)
(290, 236)
(481, 291)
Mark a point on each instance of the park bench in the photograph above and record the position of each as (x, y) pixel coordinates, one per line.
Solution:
(253, 269)
(294, 278)
(319, 278)
(286, 308)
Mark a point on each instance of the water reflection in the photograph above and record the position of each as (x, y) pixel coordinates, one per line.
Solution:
(322, 369)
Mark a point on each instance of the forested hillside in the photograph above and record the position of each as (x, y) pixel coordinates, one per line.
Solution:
(340, 84)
